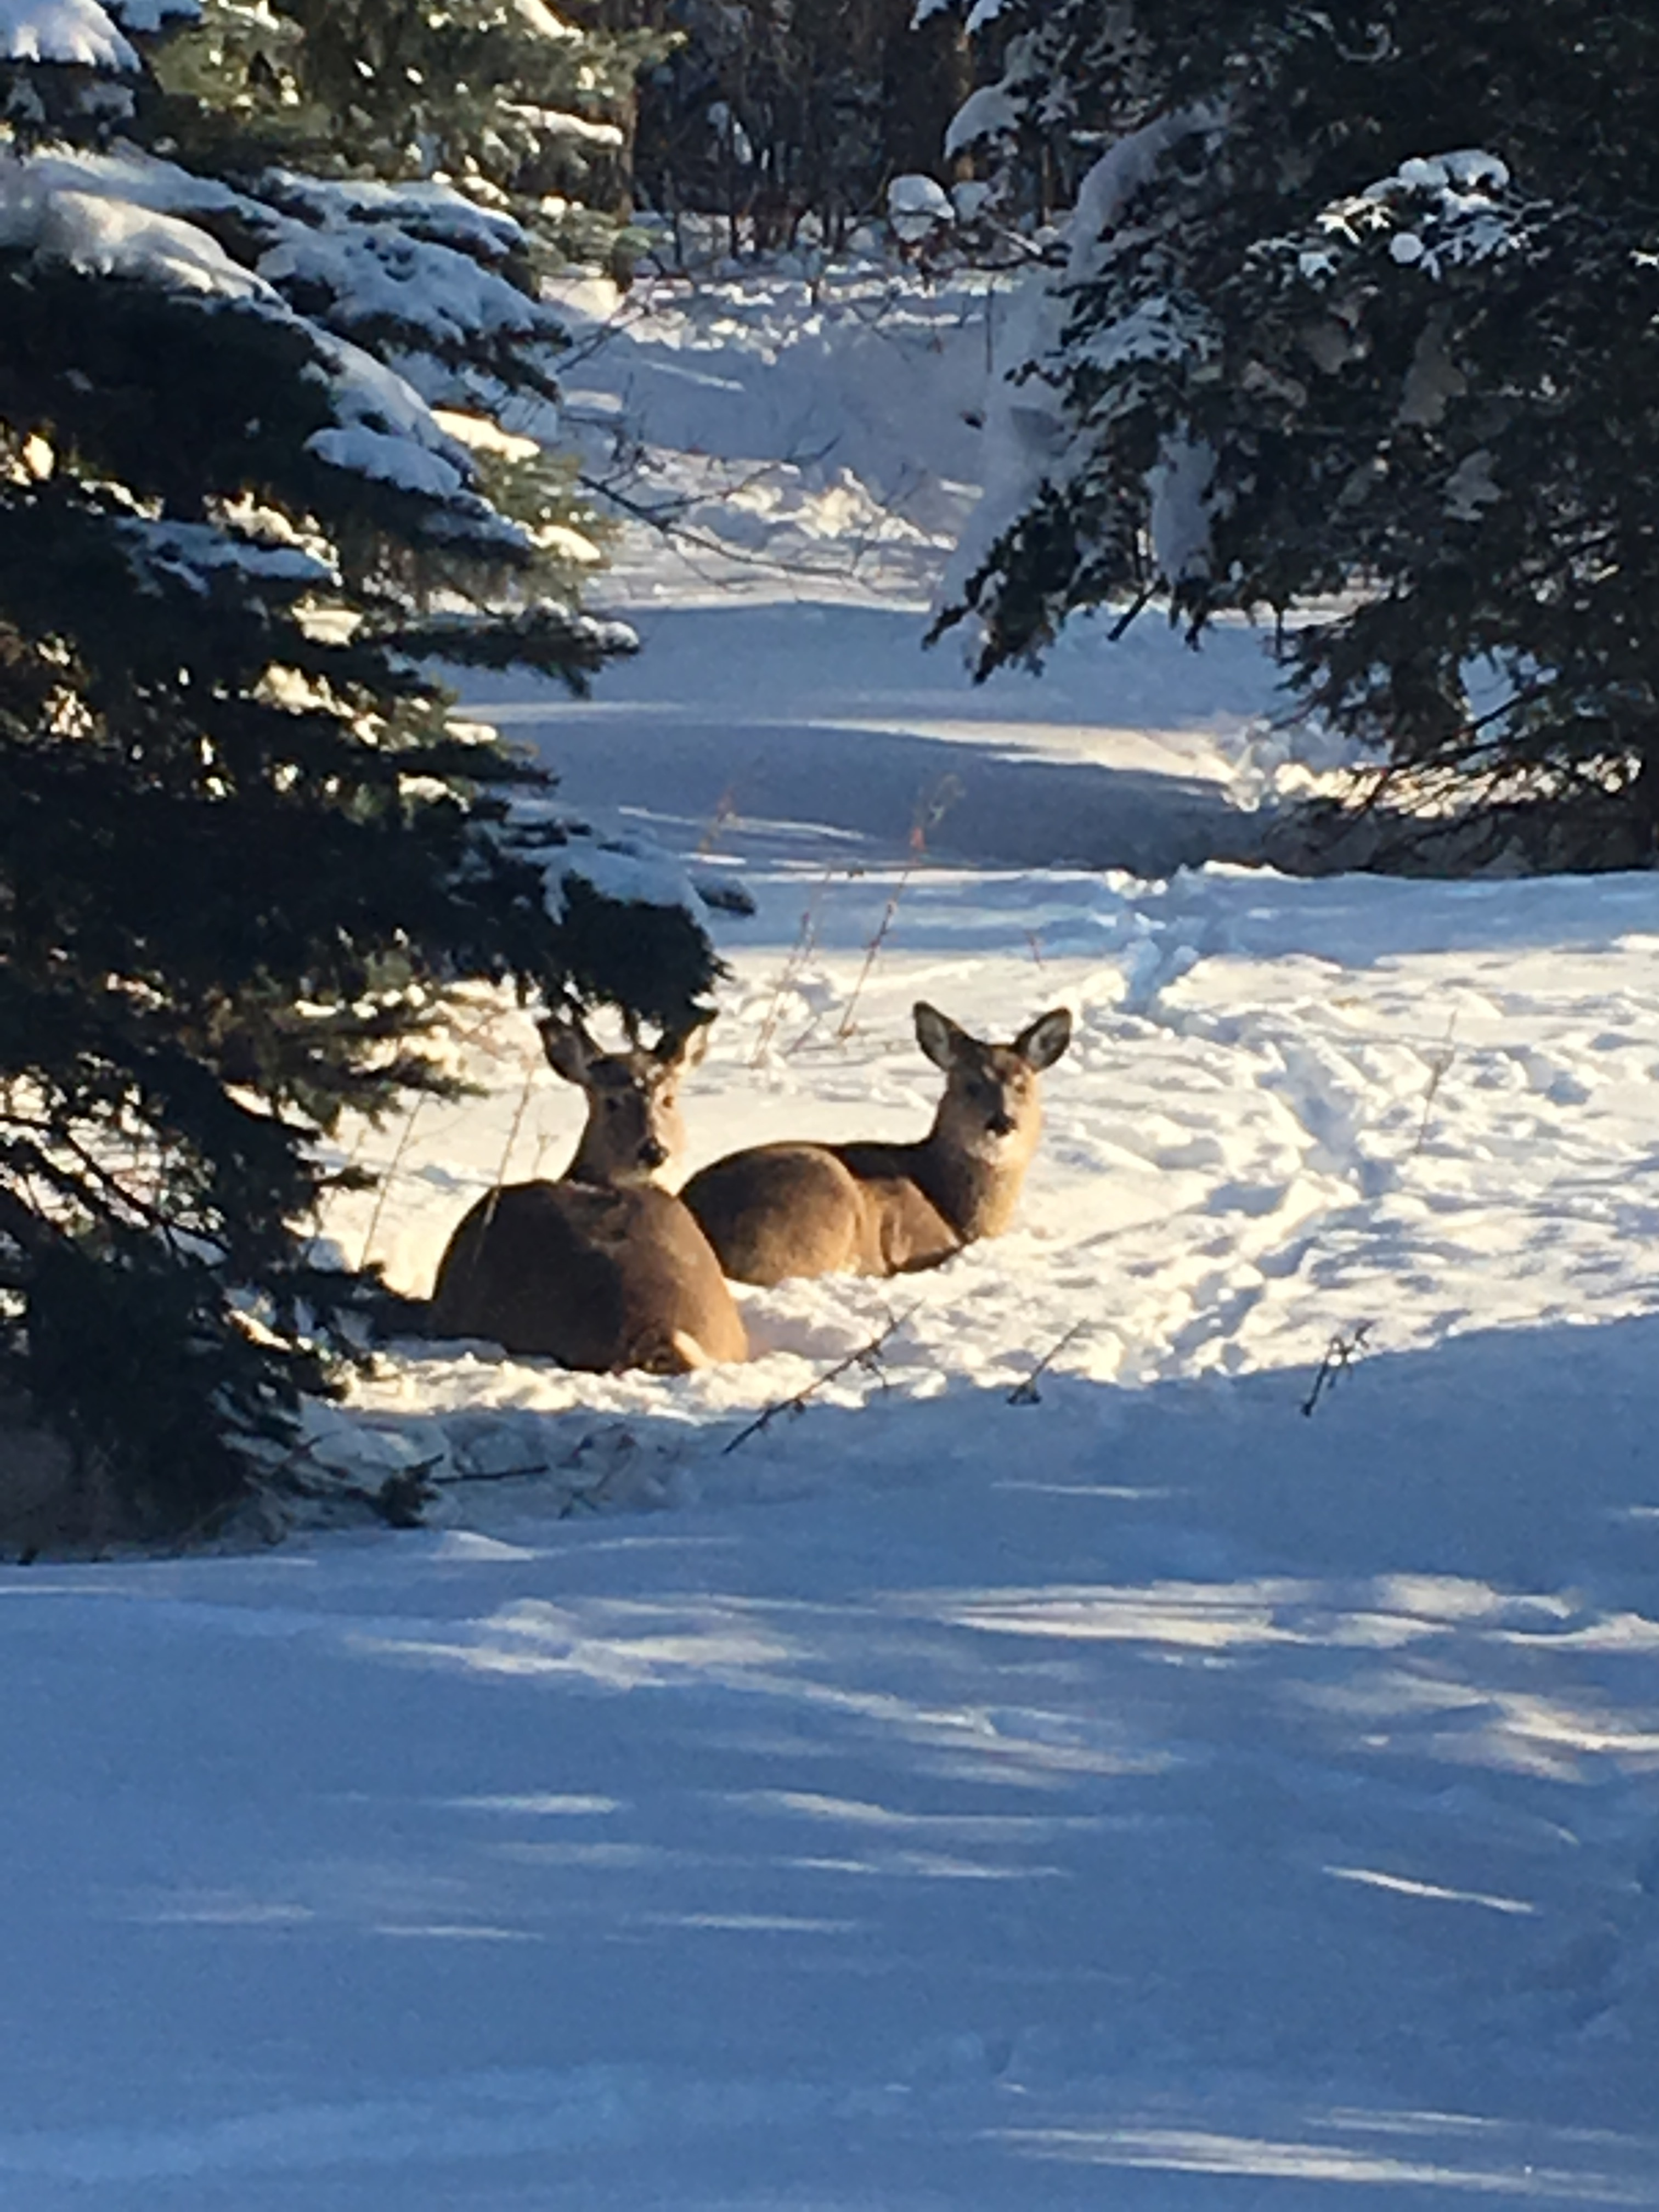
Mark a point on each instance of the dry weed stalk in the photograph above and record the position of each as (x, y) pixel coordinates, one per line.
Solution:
(1340, 1355)
(478, 1035)
(1026, 1392)
(931, 809)
(867, 1355)
(1439, 1067)
(799, 953)
(513, 1128)
(388, 1176)
(726, 811)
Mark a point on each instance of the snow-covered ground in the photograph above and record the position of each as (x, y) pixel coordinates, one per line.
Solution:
(1189, 1780)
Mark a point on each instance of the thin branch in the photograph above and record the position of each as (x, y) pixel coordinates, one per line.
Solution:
(1138, 607)
(868, 1356)
(1340, 1355)
(931, 809)
(387, 1174)
(1026, 1392)
(800, 952)
(1439, 1067)
(873, 949)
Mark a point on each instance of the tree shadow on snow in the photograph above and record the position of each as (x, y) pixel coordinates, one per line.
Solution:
(1165, 1791)
(789, 714)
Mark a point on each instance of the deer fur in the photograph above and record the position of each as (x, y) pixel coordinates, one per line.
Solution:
(879, 1209)
(603, 1270)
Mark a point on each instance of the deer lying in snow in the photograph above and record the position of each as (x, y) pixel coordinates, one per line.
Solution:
(604, 1269)
(876, 1209)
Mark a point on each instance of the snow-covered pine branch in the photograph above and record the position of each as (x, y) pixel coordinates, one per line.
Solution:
(1357, 332)
(244, 857)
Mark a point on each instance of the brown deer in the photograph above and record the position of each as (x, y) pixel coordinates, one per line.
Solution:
(604, 1269)
(876, 1209)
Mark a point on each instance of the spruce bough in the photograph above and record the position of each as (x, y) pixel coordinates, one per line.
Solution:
(1357, 321)
(244, 855)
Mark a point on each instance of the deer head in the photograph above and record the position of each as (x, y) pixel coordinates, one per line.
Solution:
(634, 1132)
(992, 1110)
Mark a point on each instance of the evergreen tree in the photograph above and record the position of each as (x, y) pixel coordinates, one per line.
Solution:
(780, 112)
(1361, 300)
(244, 853)
(506, 100)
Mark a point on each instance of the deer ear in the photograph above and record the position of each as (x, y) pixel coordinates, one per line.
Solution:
(682, 1049)
(1041, 1042)
(939, 1036)
(568, 1046)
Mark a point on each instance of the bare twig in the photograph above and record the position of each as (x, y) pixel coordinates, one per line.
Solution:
(868, 1356)
(931, 809)
(1138, 607)
(498, 1186)
(1439, 1067)
(497, 1474)
(387, 1176)
(517, 1123)
(847, 1025)
(1340, 1355)
(726, 811)
(664, 521)
(799, 953)
(1026, 1392)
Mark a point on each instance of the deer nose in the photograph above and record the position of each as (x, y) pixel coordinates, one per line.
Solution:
(653, 1155)
(1000, 1124)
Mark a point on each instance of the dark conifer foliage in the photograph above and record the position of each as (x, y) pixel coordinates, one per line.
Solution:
(1359, 300)
(244, 855)
(778, 114)
(524, 106)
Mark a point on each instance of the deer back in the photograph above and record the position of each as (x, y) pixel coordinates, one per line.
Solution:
(602, 1278)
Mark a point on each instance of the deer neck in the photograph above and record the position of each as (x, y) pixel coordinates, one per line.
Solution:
(975, 1192)
(590, 1166)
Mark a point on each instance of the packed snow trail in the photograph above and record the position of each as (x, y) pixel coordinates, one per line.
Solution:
(1291, 1108)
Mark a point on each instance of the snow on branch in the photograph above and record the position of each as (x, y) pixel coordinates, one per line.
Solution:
(375, 275)
(423, 210)
(78, 32)
(993, 110)
(537, 17)
(583, 859)
(627, 869)
(1100, 312)
(192, 553)
(1125, 170)
(384, 430)
(109, 215)
(404, 266)
(82, 33)
(1435, 213)
(104, 235)
(559, 122)
(412, 271)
